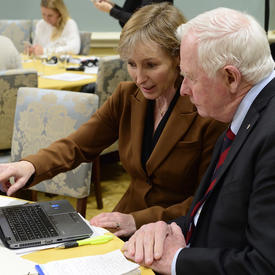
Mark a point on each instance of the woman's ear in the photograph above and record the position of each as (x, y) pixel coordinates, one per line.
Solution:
(232, 77)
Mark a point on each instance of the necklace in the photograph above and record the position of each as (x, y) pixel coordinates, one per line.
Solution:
(162, 113)
(162, 110)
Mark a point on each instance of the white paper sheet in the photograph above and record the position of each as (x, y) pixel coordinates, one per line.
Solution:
(91, 70)
(68, 77)
(112, 263)
(12, 264)
(8, 201)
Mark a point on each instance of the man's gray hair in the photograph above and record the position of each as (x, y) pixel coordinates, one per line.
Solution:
(229, 37)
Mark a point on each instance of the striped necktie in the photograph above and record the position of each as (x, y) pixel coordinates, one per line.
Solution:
(227, 141)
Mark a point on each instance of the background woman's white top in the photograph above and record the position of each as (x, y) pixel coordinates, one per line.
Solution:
(68, 42)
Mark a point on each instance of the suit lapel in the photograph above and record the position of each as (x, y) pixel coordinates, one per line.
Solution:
(177, 125)
(249, 123)
(204, 184)
(139, 107)
(246, 128)
(183, 115)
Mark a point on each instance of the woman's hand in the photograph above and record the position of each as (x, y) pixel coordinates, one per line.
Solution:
(103, 5)
(21, 172)
(37, 50)
(122, 225)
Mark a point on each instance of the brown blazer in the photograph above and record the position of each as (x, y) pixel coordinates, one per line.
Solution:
(173, 170)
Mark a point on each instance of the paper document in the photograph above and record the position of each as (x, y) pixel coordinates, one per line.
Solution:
(91, 70)
(112, 263)
(8, 201)
(68, 77)
(12, 264)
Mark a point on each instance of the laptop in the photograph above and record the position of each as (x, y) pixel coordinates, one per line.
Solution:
(41, 223)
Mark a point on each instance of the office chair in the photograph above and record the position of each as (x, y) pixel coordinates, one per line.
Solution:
(85, 39)
(43, 116)
(10, 81)
(111, 71)
(17, 30)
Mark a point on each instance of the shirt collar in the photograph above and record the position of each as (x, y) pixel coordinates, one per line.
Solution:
(247, 102)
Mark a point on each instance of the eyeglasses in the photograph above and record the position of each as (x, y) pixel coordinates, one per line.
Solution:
(89, 62)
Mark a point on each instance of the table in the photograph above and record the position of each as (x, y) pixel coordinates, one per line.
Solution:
(47, 69)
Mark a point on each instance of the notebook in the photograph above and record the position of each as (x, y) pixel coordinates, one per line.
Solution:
(41, 223)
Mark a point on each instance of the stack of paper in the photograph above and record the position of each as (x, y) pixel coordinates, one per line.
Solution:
(112, 263)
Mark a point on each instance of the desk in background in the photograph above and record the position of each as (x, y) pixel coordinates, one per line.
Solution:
(46, 69)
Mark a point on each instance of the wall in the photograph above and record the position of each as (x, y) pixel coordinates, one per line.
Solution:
(89, 18)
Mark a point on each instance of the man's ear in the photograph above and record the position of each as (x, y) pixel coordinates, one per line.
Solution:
(232, 77)
(177, 61)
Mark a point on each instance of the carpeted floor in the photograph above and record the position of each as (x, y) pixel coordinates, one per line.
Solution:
(114, 182)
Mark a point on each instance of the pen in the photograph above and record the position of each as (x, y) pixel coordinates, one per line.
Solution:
(95, 240)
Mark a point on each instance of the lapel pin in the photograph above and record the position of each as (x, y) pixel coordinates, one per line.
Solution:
(248, 126)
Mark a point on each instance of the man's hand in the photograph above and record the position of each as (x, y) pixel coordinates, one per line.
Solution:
(21, 172)
(146, 245)
(154, 245)
(173, 242)
(120, 224)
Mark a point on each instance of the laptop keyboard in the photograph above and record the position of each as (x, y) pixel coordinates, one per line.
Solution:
(34, 224)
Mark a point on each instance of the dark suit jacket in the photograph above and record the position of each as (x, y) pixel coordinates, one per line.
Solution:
(235, 233)
(173, 170)
(122, 14)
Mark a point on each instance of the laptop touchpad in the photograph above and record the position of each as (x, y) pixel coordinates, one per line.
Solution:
(70, 223)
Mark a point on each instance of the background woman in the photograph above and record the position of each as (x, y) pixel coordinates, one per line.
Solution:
(164, 144)
(56, 32)
(122, 14)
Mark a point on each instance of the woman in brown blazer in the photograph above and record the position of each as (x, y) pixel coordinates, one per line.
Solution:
(164, 144)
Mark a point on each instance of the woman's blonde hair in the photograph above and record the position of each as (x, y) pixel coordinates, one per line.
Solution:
(59, 6)
(152, 23)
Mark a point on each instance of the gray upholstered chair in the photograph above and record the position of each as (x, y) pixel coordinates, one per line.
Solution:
(43, 116)
(111, 71)
(85, 39)
(17, 30)
(10, 81)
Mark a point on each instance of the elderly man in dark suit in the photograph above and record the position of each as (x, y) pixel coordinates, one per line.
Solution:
(230, 228)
